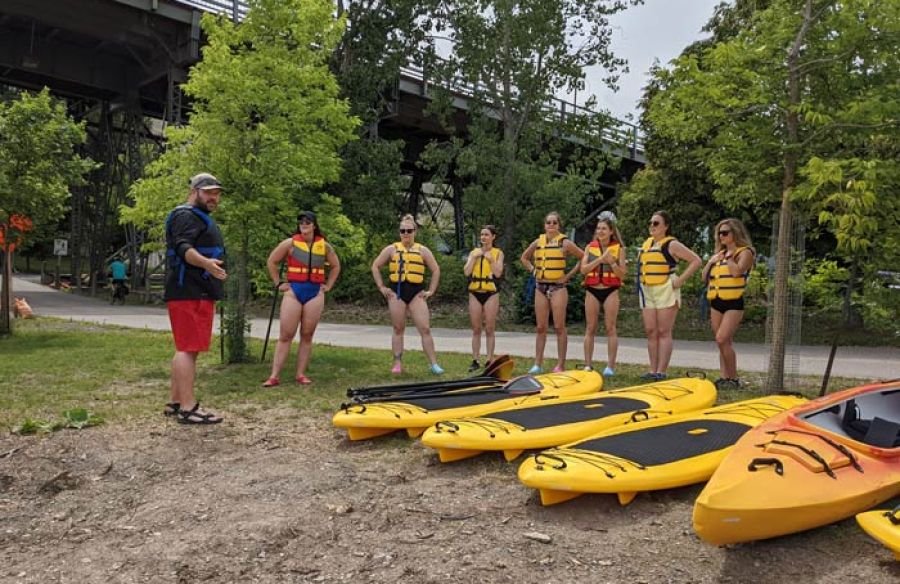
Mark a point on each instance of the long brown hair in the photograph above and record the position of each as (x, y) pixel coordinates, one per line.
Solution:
(738, 231)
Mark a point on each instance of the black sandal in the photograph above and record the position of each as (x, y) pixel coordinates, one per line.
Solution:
(193, 416)
(171, 409)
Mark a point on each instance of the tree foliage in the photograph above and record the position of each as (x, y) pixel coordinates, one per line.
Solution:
(39, 162)
(521, 150)
(794, 103)
(268, 122)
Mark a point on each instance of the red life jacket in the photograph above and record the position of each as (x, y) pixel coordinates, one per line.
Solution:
(604, 274)
(306, 264)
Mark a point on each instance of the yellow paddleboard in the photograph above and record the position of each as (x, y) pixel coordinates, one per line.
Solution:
(657, 454)
(884, 526)
(415, 414)
(550, 423)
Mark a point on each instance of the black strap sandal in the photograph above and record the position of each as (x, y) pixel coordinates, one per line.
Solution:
(193, 416)
(171, 409)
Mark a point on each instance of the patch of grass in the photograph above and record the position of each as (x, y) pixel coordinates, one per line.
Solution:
(121, 375)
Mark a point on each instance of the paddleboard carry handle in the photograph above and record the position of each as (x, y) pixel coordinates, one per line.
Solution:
(779, 468)
(640, 416)
(558, 462)
(893, 515)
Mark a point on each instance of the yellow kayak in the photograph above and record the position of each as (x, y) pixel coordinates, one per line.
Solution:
(658, 454)
(821, 462)
(415, 414)
(550, 423)
(883, 525)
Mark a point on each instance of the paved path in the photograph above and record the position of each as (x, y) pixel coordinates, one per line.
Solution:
(857, 362)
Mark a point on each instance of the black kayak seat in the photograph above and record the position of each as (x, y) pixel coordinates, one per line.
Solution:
(851, 423)
(882, 433)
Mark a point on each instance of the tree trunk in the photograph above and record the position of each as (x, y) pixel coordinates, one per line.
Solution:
(6, 323)
(236, 300)
(780, 296)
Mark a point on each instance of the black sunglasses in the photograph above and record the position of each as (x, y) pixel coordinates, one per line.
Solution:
(654, 223)
(405, 231)
(724, 232)
(305, 221)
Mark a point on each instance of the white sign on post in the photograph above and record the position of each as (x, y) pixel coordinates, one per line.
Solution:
(60, 247)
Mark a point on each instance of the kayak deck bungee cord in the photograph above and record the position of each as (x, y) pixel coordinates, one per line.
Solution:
(545, 424)
(416, 412)
(657, 454)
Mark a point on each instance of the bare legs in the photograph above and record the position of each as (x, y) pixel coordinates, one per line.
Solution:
(488, 315)
(292, 315)
(288, 319)
(658, 325)
(591, 317)
(418, 311)
(724, 326)
(610, 319)
(184, 368)
(309, 320)
(543, 306)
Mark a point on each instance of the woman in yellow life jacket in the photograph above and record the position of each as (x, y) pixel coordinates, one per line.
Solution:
(483, 268)
(604, 268)
(726, 275)
(406, 293)
(545, 258)
(659, 289)
(304, 287)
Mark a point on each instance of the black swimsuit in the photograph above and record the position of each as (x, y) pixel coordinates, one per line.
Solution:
(482, 297)
(724, 306)
(601, 294)
(407, 292)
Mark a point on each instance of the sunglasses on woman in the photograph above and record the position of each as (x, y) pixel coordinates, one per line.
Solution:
(724, 232)
(654, 224)
(406, 231)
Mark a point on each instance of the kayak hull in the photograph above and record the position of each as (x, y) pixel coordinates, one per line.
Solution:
(803, 469)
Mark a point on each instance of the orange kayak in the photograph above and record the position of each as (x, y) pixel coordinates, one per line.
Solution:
(819, 463)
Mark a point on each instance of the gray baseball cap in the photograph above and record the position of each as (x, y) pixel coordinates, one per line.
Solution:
(204, 181)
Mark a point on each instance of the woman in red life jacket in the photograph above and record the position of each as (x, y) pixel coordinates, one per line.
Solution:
(545, 258)
(726, 275)
(307, 254)
(483, 268)
(604, 268)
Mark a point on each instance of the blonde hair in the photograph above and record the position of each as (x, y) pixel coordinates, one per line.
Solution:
(408, 218)
(738, 231)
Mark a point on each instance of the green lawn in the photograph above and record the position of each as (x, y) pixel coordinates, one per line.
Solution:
(51, 366)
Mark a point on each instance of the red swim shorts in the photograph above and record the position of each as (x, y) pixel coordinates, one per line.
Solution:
(192, 322)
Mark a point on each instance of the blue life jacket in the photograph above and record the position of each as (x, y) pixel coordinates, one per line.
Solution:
(175, 261)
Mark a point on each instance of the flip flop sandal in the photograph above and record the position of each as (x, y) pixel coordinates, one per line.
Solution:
(303, 380)
(271, 382)
(193, 416)
(171, 409)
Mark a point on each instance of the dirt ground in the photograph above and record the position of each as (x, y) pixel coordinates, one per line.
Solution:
(283, 498)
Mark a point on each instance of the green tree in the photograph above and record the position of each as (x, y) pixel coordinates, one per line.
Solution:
(268, 122)
(39, 162)
(803, 89)
(521, 152)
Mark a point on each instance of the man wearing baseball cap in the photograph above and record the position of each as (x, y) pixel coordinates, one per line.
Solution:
(194, 281)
